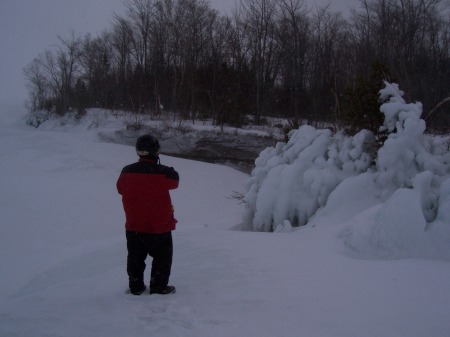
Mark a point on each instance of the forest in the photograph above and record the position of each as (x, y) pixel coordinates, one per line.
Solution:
(269, 58)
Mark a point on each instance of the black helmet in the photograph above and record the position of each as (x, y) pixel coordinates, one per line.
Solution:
(147, 145)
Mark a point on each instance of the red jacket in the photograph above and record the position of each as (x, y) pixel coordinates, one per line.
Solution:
(144, 187)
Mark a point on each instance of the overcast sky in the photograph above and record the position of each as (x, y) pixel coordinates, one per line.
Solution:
(29, 27)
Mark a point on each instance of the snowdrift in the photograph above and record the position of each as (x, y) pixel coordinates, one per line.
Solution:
(405, 188)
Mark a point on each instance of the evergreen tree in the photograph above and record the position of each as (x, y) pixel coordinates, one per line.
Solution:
(361, 103)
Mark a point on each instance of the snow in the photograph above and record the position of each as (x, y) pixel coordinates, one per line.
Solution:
(292, 181)
(368, 262)
(402, 191)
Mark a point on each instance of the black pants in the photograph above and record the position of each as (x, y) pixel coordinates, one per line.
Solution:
(160, 248)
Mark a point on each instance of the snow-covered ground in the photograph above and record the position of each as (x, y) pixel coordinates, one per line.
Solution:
(63, 254)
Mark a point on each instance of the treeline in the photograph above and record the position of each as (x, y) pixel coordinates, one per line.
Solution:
(268, 58)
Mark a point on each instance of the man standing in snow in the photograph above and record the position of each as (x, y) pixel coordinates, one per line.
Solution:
(144, 187)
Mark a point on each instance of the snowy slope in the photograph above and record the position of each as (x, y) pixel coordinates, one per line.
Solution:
(62, 257)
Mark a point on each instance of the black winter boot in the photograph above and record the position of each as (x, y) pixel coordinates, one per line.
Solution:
(138, 291)
(163, 291)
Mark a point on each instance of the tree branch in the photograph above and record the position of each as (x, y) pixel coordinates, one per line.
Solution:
(432, 111)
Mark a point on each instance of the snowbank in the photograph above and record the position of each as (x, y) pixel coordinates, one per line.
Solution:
(291, 181)
(404, 190)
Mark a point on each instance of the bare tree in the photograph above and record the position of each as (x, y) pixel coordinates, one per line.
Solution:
(97, 73)
(294, 37)
(259, 17)
(172, 25)
(38, 86)
(139, 15)
(60, 68)
(328, 66)
(200, 20)
(269, 57)
(121, 49)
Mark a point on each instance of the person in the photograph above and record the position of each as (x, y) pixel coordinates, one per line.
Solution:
(149, 215)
